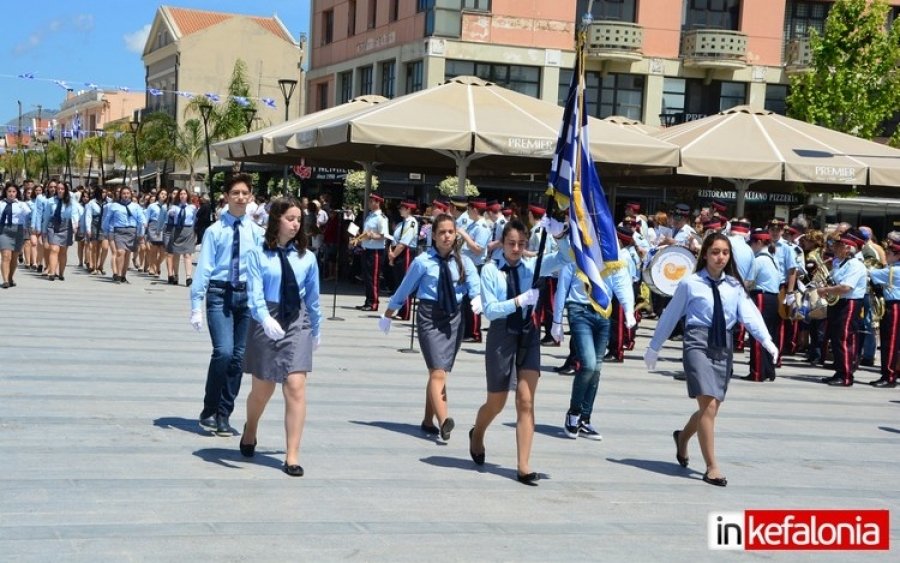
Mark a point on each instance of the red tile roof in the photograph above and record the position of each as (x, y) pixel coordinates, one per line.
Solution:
(191, 21)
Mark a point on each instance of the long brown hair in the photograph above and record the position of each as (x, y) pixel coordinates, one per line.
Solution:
(456, 257)
(277, 209)
(730, 268)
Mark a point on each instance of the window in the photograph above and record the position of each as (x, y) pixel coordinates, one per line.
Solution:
(775, 98)
(321, 96)
(732, 94)
(394, 11)
(387, 79)
(673, 96)
(424, 5)
(565, 79)
(712, 14)
(803, 16)
(327, 27)
(477, 5)
(414, 76)
(522, 79)
(351, 18)
(346, 80)
(373, 13)
(617, 10)
(614, 94)
(365, 80)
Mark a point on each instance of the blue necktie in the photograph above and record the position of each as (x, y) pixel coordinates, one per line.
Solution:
(289, 296)
(127, 210)
(181, 214)
(717, 332)
(446, 294)
(236, 254)
(515, 323)
(57, 216)
(6, 218)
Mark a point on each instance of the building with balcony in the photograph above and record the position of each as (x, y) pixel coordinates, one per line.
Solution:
(96, 108)
(193, 52)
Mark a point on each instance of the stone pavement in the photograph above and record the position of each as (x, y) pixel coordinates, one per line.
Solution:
(102, 459)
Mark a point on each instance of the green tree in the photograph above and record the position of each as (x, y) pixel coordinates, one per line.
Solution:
(189, 145)
(226, 119)
(854, 83)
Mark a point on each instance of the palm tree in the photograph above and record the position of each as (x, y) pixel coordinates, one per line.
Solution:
(226, 119)
(189, 145)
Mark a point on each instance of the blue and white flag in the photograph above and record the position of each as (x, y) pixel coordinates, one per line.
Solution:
(154, 92)
(11, 129)
(592, 230)
(27, 75)
(76, 126)
(61, 84)
(270, 102)
(125, 89)
(241, 101)
(212, 97)
(91, 86)
(188, 95)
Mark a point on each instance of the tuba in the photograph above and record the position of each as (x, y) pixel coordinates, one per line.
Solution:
(875, 295)
(818, 305)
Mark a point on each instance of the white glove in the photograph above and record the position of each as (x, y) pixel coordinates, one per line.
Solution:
(317, 341)
(384, 324)
(272, 329)
(556, 331)
(630, 321)
(528, 298)
(770, 347)
(477, 308)
(789, 299)
(553, 227)
(197, 319)
(650, 357)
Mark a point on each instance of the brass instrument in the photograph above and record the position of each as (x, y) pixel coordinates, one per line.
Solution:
(822, 277)
(872, 262)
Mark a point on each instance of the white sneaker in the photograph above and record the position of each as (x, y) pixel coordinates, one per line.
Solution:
(570, 426)
(586, 430)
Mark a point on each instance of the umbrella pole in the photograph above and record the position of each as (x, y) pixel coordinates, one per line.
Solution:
(741, 186)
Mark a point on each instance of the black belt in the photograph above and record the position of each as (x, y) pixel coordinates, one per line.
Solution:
(124, 228)
(239, 286)
(848, 299)
(891, 301)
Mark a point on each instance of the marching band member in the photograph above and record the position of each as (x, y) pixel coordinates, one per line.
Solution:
(124, 221)
(441, 277)
(850, 279)
(13, 219)
(889, 279)
(400, 255)
(873, 256)
(813, 243)
(682, 232)
(738, 231)
(495, 214)
(475, 238)
(711, 301)
(633, 208)
(787, 265)
(547, 289)
(438, 207)
(623, 320)
(763, 285)
(372, 240)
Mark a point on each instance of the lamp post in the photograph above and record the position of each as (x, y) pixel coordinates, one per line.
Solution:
(205, 111)
(249, 116)
(67, 140)
(135, 126)
(287, 86)
(100, 150)
(46, 170)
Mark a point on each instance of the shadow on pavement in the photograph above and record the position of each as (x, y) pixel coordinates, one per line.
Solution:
(545, 429)
(657, 466)
(183, 424)
(233, 459)
(889, 429)
(468, 464)
(400, 427)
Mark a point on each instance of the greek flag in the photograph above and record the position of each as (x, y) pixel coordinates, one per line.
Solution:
(27, 75)
(91, 86)
(154, 92)
(241, 100)
(76, 126)
(592, 231)
(125, 89)
(186, 94)
(270, 102)
(213, 97)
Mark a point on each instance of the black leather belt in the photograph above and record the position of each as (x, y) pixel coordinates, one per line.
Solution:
(240, 286)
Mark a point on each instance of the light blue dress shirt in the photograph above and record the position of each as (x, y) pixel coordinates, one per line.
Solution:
(214, 262)
(423, 274)
(264, 282)
(693, 300)
(117, 217)
(572, 290)
(20, 212)
(69, 213)
(37, 213)
(765, 272)
(889, 278)
(493, 280)
(154, 213)
(684, 235)
(743, 256)
(190, 214)
(497, 234)
(407, 232)
(463, 221)
(853, 273)
(378, 223)
(785, 259)
(481, 234)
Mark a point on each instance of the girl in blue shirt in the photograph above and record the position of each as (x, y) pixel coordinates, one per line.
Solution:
(443, 278)
(60, 225)
(283, 285)
(182, 239)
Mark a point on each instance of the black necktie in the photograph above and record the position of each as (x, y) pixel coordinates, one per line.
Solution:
(57, 216)
(717, 332)
(515, 324)
(127, 209)
(289, 297)
(6, 218)
(236, 254)
(181, 215)
(446, 294)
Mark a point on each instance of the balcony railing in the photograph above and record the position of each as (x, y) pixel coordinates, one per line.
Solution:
(614, 40)
(797, 55)
(714, 48)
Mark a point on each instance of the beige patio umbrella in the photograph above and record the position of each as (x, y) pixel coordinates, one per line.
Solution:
(632, 124)
(745, 145)
(470, 120)
(268, 145)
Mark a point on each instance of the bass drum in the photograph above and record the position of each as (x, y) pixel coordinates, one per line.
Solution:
(668, 267)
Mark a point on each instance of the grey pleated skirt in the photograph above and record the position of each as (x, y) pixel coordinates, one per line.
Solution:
(154, 235)
(440, 335)
(182, 241)
(167, 236)
(12, 237)
(707, 372)
(273, 360)
(60, 235)
(500, 356)
(126, 237)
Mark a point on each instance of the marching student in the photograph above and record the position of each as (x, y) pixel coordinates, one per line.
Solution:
(124, 221)
(183, 239)
(97, 239)
(843, 321)
(38, 242)
(711, 301)
(400, 255)
(513, 353)
(372, 240)
(441, 278)
(889, 279)
(475, 238)
(60, 223)
(28, 249)
(283, 281)
(221, 279)
(762, 285)
(13, 219)
(157, 215)
(80, 199)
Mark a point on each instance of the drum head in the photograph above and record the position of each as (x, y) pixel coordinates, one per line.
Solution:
(667, 268)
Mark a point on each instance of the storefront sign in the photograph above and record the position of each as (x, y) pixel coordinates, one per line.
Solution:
(319, 173)
(751, 197)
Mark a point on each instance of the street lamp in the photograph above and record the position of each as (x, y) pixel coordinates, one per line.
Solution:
(205, 111)
(249, 116)
(67, 140)
(135, 126)
(100, 149)
(287, 86)
(44, 179)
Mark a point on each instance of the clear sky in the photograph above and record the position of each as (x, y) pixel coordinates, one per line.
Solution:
(96, 41)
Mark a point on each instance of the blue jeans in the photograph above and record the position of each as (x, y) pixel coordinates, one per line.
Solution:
(590, 333)
(228, 318)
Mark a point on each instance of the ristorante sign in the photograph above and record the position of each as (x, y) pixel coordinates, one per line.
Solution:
(752, 197)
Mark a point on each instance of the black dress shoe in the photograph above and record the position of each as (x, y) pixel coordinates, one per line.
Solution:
(247, 450)
(883, 383)
(717, 481)
(771, 378)
(446, 428)
(565, 369)
(4, 285)
(188, 282)
(477, 458)
(828, 380)
(208, 423)
(868, 363)
(363, 307)
(429, 430)
(682, 461)
(840, 383)
(748, 378)
(223, 428)
(529, 479)
(172, 280)
(293, 470)
(367, 308)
